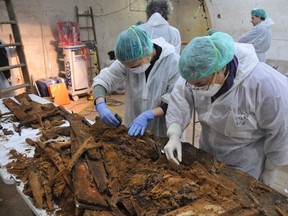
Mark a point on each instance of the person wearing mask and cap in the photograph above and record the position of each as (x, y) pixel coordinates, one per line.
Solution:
(260, 35)
(150, 69)
(241, 104)
(157, 25)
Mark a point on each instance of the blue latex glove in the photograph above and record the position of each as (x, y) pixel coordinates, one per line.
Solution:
(106, 115)
(139, 124)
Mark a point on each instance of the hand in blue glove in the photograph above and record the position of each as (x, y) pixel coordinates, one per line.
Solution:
(139, 124)
(106, 115)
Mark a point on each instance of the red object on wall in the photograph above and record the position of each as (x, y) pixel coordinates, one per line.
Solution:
(69, 33)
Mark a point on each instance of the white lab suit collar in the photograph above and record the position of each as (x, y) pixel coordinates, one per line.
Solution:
(156, 19)
(267, 22)
(167, 48)
(247, 61)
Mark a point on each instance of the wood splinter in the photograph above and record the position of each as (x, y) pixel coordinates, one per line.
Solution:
(87, 144)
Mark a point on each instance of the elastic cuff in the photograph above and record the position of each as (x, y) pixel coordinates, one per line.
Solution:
(95, 103)
(99, 103)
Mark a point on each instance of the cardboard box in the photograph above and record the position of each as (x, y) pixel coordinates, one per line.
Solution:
(59, 93)
(42, 84)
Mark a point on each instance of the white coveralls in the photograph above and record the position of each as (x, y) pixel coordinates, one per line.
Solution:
(4, 83)
(157, 27)
(142, 95)
(260, 36)
(247, 123)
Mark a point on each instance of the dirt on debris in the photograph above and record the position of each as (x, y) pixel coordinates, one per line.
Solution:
(103, 171)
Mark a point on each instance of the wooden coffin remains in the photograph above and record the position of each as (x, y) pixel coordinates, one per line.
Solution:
(103, 171)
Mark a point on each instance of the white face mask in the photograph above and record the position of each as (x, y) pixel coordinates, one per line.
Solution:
(211, 91)
(140, 69)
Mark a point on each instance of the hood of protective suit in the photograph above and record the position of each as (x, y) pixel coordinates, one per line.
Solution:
(247, 59)
(156, 19)
(157, 27)
(267, 22)
(167, 48)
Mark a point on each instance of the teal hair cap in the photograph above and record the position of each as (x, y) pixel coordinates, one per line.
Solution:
(132, 44)
(259, 13)
(206, 55)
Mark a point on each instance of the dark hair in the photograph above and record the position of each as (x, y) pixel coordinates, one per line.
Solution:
(111, 55)
(163, 7)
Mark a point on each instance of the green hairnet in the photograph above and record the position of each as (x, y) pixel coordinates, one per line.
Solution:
(206, 55)
(132, 44)
(259, 13)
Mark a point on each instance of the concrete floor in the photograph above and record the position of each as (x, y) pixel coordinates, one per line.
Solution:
(12, 204)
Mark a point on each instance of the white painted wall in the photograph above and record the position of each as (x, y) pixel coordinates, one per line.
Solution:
(37, 20)
(233, 17)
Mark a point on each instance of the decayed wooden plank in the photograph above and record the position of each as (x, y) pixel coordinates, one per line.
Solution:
(99, 173)
(15, 108)
(204, 207)
(129, 176)
(36, 188)
(85, 190)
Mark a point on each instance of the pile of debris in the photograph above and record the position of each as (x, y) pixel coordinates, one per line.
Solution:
(103, 171)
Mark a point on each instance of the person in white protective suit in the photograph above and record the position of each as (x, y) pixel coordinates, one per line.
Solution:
(241, 103)
(157, 25)
(260, 35)
(150, 69)
(7, 77)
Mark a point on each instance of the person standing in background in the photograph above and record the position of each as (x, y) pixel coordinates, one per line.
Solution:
(6, 77)
(157, 26)
(260, 35)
